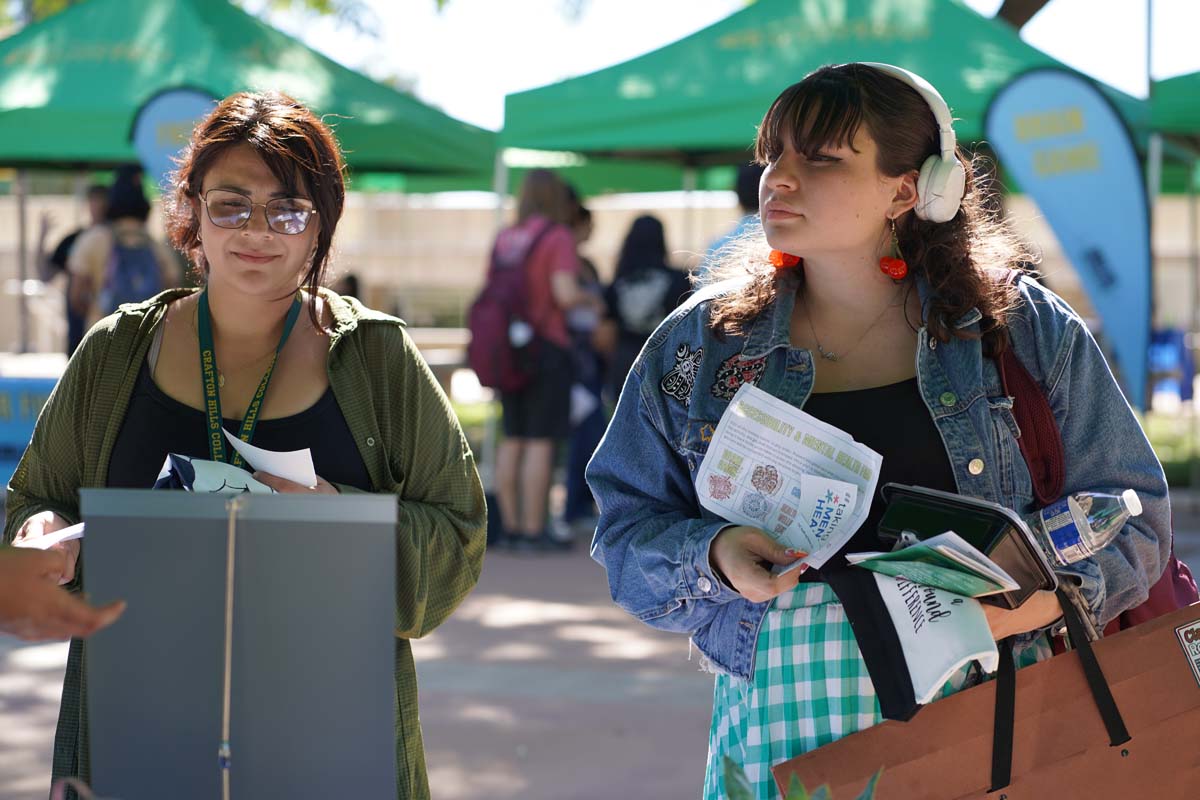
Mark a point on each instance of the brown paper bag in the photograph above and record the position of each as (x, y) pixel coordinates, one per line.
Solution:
(1060, 749)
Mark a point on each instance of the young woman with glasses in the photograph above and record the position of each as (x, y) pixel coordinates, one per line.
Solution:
(263, 350)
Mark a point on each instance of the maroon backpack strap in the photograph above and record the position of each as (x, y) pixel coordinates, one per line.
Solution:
(1040, 440)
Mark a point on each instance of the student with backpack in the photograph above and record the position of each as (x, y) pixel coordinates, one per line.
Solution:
(644, 291)
(119, 262)
(521, 347)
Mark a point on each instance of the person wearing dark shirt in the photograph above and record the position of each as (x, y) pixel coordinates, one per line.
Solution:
(587, 407)
(644, 290)
(51, 265)
(263, 348)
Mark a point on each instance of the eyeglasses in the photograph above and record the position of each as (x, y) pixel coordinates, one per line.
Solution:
(286, 215)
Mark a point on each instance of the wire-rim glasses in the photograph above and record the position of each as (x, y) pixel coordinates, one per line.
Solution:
(286, 215)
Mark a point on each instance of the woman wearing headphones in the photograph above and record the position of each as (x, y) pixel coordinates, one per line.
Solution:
(874, 296)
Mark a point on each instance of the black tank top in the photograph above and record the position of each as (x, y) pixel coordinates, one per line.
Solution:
(156, 424)
(893, 421)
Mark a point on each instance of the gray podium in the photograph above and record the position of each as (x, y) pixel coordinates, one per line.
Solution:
(312, 691)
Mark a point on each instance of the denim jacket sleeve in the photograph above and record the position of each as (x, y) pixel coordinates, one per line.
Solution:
(1106, 450)
(652, 538)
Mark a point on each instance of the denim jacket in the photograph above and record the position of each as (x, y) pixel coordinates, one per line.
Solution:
(653, 537)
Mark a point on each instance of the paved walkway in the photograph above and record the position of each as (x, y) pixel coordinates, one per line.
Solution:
(538, 687)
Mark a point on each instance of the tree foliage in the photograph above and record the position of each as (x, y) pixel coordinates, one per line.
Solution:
(15, 14)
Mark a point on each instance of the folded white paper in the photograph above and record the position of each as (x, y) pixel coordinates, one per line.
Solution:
(51, 539)
(293, 465)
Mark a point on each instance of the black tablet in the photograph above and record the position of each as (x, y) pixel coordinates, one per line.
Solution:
(998, 532)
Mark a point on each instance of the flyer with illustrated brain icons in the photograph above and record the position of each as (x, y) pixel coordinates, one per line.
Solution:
(773, 466)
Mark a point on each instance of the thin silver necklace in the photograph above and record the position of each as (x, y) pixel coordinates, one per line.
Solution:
(829, 355)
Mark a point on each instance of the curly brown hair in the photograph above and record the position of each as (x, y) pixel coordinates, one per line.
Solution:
(296, 146)
(827, 108)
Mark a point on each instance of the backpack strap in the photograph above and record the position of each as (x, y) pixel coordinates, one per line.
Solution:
(494, 261)
(1040, 440)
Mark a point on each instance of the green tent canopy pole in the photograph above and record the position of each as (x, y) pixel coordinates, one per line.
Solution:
(689, 204)
(20, 188)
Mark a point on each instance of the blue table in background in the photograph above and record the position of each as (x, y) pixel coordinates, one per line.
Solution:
(20, 401)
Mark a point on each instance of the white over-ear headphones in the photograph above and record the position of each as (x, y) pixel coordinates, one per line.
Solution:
(942, 180)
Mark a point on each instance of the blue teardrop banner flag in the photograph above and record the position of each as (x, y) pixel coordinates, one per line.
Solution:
(1067, 147)
(163, 125)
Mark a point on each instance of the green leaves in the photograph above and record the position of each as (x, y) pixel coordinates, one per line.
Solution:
(737, 786)
(869, 792)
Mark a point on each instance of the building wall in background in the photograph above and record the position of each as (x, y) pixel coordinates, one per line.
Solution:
(425, 262)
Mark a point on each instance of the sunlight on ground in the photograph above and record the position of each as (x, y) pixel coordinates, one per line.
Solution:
(494, 715)
(39, 656)
(30, 687)
(515, 651)
(500, 611)
(455, 779)
(614, 642)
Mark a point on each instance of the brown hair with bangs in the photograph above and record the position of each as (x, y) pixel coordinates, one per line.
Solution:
(296, 146)
(828, 108)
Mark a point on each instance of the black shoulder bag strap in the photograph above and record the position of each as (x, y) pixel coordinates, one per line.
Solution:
(878, 641)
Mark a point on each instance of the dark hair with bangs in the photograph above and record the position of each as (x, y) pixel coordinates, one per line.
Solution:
(827, 109)
(296, 146)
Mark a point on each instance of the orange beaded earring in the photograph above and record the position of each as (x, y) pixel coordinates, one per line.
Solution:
(895, 267)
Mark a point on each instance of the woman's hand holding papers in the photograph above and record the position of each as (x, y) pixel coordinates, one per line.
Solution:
(67, 552)
(743, 556)
(1038, 611)
(284, 486)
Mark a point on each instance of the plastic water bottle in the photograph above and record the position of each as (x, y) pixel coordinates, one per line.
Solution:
(1083, 523)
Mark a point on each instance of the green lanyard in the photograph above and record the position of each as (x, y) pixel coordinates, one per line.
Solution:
(212, 395)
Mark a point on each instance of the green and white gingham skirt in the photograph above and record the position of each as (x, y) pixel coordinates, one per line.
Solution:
(810, 687)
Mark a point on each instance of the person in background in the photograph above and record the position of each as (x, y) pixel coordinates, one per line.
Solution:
(56, 262)
(538, 417)
(34, 607)
(119, 262)
(746, 188)
(644, 290)
(346, 285)
(587, 406)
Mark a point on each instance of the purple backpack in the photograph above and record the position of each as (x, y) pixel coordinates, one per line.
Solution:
(500, 313)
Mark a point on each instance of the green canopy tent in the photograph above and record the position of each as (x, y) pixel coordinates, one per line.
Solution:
(1175, 106)
(71, 85)
(1175, 113)
(698, 100)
